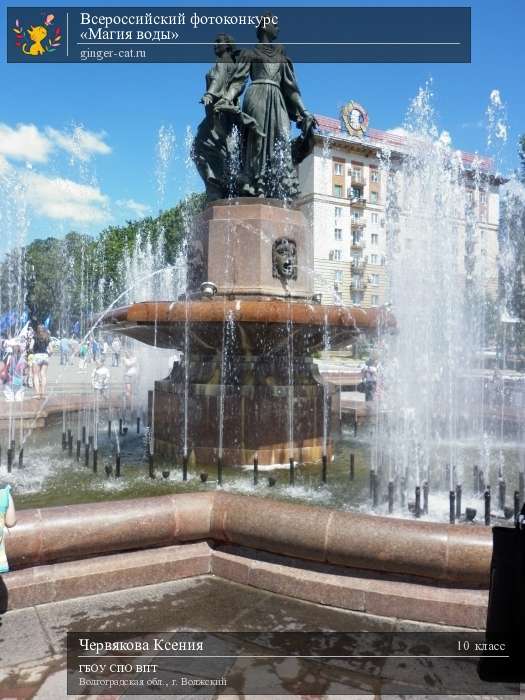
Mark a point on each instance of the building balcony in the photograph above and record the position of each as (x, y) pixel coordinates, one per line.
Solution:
(357, 177)
(357, 201)
(358, 243)
(358, 265)
(358, 285)
(358, 224)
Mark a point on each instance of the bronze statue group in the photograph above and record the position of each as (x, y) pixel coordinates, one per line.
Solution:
(247, 150)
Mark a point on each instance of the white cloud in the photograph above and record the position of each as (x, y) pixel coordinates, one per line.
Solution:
(24, 142)
(79, 142)
(136, 208)
(58, 198)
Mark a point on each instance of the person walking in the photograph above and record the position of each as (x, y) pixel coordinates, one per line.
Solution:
(64, 351)
(116, 348)
(41, 351)
(131, 372)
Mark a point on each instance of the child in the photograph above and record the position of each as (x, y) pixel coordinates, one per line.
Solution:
(100, 378)
(7, 519)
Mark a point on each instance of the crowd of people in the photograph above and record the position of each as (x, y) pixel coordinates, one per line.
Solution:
(24, 361)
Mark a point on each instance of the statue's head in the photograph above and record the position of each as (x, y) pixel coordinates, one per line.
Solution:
(268, 25)
(284, 259)
(224, 43)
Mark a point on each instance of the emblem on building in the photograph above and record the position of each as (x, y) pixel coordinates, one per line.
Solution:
(355, 118)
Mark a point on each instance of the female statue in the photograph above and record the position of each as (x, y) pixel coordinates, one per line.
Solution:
(271, 100)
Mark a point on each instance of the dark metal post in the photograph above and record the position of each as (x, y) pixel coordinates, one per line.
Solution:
(151, 466)
(138, 425)
(425, 497)
(481, 481)
(9, 459)
(117, 465)
(83, 434)
(86, 454)
(417, 509)
(292, 472)
(502, 492)
(374, 490)
(352, 466)
(390, 496)
(220, 465)
(516, 507)
(95, 461)
(324, 468)
(372, 478)
(21, 457)
(109, 428)
(64, 440)
(120, 426)
(70, 443)
(185, 467)
(355, 422)
(458, 501)
(78, 450)
(402, 491)
(452, 509)
(487, 507)
(522, 486)
(255, 470)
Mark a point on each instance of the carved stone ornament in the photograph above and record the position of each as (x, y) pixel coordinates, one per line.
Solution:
(284, 259)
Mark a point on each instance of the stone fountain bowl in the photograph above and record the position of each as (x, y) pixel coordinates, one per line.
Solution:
(254, 326)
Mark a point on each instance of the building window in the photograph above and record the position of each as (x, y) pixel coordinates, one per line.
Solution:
(338, 276)
(356, 217)
(374, 198)
(338, 190)
(357, 297)
(374, 259)
(338, 211)
(374, 174)
(375, 300)
(356, 193)
(374, 218)
(375, 239)
(338, 168)
(374, 279)
(335, 255)
(338, 234)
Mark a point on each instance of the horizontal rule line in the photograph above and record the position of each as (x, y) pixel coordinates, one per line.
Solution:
(288, 43)
(287, 656)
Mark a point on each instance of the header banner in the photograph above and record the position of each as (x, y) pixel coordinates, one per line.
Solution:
(188, 34)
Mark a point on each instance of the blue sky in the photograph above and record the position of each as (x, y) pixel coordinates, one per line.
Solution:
(114, 175)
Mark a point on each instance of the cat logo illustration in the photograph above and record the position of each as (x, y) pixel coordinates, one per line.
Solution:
(38, 40)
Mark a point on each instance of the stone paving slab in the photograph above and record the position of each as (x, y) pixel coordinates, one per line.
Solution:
(32, 640)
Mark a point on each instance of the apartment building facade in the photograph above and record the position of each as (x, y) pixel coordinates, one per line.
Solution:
(343, 193)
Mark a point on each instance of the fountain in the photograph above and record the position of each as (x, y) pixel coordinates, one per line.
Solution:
(249, 321)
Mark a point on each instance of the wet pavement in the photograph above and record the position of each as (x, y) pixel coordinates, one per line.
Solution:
(33, 640)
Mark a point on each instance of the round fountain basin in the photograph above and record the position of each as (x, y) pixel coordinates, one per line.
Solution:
(263, 323)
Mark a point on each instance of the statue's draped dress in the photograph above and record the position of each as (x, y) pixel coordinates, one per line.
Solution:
(268, 170)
